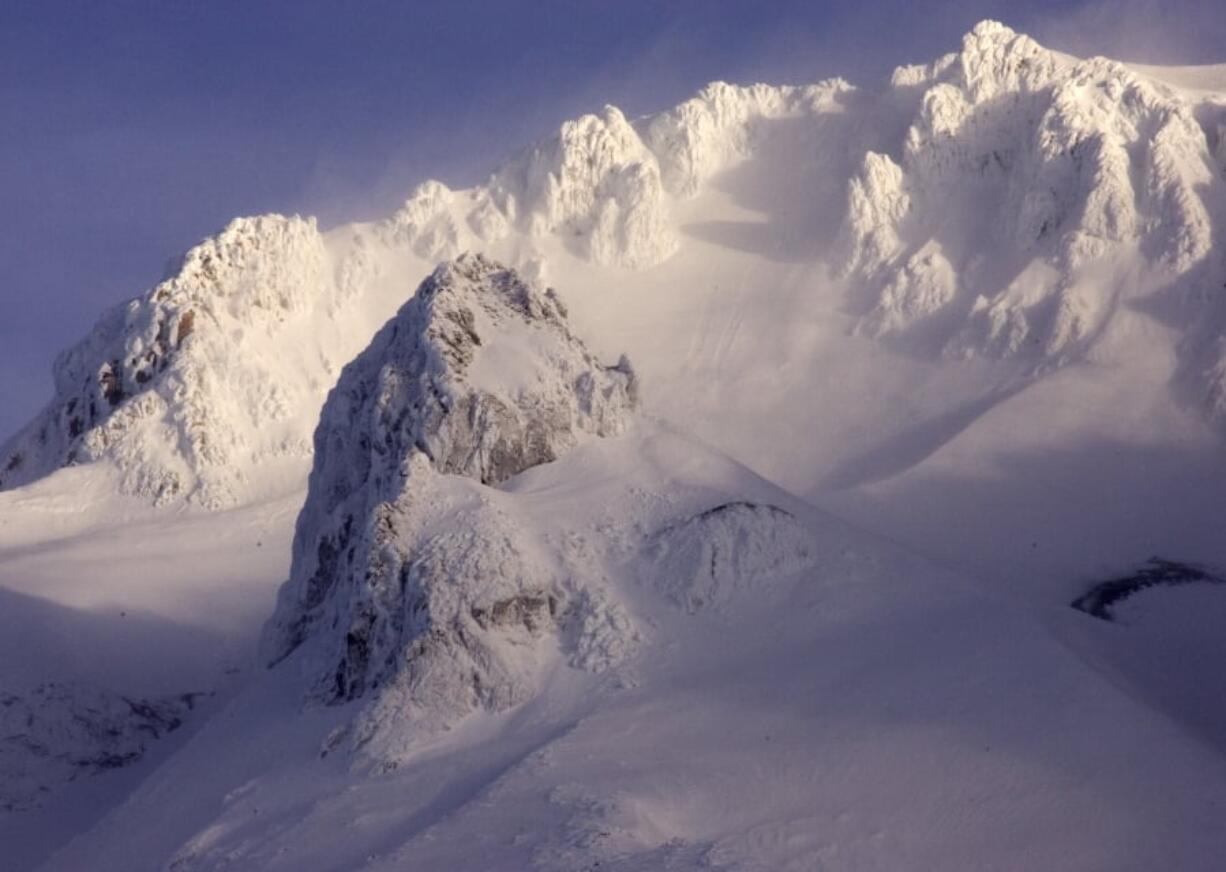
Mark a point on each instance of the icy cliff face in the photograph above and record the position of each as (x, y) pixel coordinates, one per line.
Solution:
(408, 578)
(1019, 175)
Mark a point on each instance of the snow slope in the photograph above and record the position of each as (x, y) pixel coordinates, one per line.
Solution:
(836, 710)
(976, 311)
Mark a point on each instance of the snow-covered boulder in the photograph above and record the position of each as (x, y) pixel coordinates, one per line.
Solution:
(408, 578)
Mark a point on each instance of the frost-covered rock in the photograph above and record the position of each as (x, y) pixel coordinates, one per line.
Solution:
(180, 388)
(877, 205)
(595, 182)
(438, 223)
(704, 560)
(721, 125)
(59, 733)
(923, 286)
(408, 578)
(1027, 172)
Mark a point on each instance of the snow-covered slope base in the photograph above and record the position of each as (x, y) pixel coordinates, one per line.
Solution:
(61, 733)
(547, 611)
(837, 708)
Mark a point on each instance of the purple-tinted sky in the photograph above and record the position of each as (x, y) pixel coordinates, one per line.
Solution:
(129, 131)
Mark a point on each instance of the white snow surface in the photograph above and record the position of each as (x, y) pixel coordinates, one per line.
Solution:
(913, 366)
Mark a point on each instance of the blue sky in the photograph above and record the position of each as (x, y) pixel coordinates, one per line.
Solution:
(129, 131)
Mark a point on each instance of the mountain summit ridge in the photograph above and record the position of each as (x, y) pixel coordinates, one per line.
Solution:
(1025, 192)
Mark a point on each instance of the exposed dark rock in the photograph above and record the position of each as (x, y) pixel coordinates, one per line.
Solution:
(1101, 599)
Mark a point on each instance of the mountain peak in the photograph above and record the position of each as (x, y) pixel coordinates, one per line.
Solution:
(476, 379)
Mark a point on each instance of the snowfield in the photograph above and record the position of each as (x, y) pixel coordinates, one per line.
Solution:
(708, 490)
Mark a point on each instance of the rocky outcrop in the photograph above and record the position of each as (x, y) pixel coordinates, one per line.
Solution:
(595, 183)
(179, 388)
(408, 578)
(1101, 600)
(59, 733)
(1000, 201)
(722, 125)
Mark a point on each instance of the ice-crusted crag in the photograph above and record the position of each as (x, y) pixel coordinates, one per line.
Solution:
(411, 585)
(181, 388)
(58, 733)
(605, 183)
(1019, 178)
(723, 124)
(1002, 201)
(595, 182)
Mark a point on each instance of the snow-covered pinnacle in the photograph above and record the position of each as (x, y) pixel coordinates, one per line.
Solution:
(1051, 166)
(719, 126)
(404, 570)
(173, 387)
(999, 201)
(595, 182)
(438, 223)
(480, 373)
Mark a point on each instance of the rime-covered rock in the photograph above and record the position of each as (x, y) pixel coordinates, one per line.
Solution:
(408, 578)
(178, 388)
(1052, 167)
(595, 182)
(721, 126)
(1000, 197)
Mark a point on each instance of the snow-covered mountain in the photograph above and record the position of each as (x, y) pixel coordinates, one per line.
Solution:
(1003, 200)
(915, 367)
(1069, 169)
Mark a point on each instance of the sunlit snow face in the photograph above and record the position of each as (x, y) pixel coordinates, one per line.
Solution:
(123, 166)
